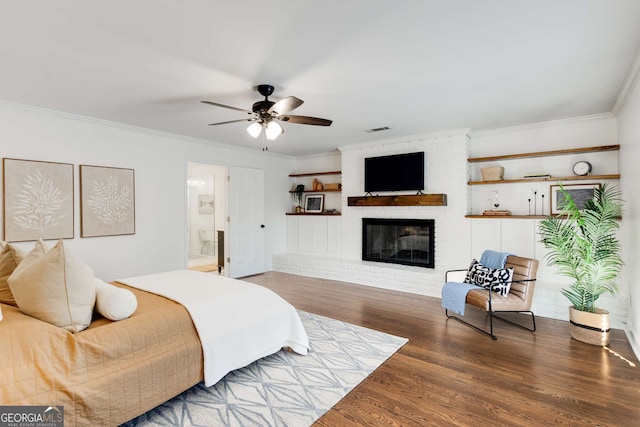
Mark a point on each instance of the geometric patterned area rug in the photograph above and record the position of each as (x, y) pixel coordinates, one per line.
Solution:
(284, 389)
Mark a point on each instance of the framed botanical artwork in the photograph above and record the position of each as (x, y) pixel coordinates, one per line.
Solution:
(580, 193)
(38, 200)
(314, 203)
(107, 201)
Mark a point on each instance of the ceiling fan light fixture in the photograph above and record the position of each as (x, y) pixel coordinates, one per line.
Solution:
(254, 129)
(273, 130)
(265, 114)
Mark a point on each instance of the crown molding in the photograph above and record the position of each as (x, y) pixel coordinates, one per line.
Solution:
(153, 132)
(629, 85)
(323, 155)
(530, 126)
(410, 138)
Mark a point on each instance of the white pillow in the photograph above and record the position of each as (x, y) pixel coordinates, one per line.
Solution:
(56, 287)
(113, 302)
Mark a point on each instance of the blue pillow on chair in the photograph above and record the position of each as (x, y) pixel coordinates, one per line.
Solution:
(495, 279)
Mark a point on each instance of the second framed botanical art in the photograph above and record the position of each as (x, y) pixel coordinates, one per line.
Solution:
(38, 200)
(107, 201)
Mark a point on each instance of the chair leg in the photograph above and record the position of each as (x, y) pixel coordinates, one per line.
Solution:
(491, 316)
(533, 319)
(490, 333)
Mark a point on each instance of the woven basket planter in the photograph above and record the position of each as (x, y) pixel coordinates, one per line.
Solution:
(590, 328)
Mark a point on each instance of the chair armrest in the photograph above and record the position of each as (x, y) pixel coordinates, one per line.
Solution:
(446, 274)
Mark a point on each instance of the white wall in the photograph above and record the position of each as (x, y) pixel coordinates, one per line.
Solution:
(327, 162)
(160, 164)
(629, 137)
(447, 172)
(558, 135)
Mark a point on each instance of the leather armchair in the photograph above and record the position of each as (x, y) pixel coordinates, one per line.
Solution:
(518, 299)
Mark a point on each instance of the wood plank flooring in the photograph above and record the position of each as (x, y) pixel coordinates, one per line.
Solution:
(206, 268)
(450, 374)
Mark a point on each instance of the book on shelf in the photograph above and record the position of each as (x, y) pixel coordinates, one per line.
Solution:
(496, 212)
(537, 175)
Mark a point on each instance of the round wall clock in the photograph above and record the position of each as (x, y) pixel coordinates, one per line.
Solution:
(582, 168)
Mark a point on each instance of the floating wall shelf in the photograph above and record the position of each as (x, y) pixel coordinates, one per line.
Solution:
(506, 216)
(315, 213)
(406, 200)
(296, 175)
(325, 190)
(545, 153)
(552, 178)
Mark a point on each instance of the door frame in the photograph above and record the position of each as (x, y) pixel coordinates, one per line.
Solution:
(224, 197)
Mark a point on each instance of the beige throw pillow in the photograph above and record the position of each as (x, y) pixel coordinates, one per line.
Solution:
(10, 257)
(56, 287)
(113, 302)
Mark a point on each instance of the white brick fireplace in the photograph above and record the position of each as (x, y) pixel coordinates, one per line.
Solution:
(446, 172)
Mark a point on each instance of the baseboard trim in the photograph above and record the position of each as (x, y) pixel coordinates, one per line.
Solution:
(635, 345)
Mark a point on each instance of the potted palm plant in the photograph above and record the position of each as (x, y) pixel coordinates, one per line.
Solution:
(583, 244)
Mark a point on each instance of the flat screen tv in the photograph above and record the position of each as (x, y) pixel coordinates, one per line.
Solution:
(400, 172)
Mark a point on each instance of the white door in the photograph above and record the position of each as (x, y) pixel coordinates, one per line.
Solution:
(246, 222)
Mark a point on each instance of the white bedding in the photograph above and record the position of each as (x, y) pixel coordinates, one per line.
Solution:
(238, 322)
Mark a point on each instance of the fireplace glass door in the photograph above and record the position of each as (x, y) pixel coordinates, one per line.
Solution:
(399, 241)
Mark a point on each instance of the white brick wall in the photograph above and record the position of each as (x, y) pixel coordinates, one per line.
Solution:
(446, 172)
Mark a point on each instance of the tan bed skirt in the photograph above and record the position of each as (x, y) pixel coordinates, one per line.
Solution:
(106, 374)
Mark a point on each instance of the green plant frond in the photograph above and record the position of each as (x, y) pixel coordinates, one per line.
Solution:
(575, 298)
(583, 245)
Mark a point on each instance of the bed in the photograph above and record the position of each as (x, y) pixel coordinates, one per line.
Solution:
(114, 371)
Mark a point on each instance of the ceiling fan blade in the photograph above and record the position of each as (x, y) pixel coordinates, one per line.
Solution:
(215, 104)
(233, 121)
(305, 120)
(285, 105)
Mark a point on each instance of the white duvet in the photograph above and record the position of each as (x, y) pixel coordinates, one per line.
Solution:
(238, 322)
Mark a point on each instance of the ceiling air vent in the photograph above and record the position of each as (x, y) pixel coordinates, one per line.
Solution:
(377, 129)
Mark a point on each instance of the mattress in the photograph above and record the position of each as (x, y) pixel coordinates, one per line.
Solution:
(238, 322)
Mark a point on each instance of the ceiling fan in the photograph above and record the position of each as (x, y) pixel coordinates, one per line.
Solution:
(266, 114)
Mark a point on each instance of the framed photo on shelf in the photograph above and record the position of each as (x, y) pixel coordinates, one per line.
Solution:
(580, 193)
(314, 203)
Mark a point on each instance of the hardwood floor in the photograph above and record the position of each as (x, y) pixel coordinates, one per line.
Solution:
(450, 374)
(206, 268)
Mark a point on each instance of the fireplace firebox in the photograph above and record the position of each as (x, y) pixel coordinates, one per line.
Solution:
(399, 241)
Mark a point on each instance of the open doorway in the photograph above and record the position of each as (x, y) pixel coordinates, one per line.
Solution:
(206, 207)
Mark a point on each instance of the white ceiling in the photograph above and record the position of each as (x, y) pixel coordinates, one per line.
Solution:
(416, 66)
